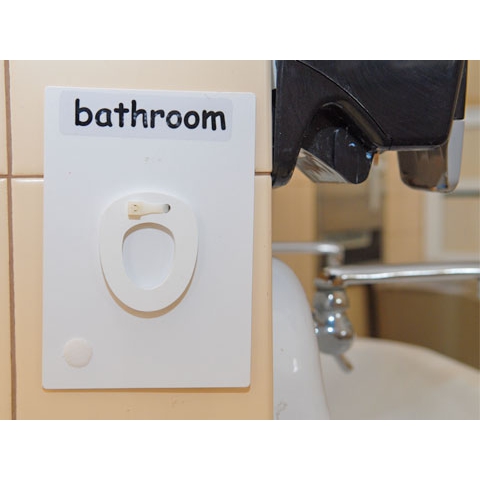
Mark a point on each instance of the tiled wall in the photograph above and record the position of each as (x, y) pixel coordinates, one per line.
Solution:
(294, 219)
(25, 175)
(3, 123)
(5, 364)
(402, 217)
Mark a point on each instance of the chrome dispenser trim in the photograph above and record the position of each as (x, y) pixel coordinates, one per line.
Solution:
(435, 169)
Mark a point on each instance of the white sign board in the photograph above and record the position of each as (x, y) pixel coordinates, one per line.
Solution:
(148, 238)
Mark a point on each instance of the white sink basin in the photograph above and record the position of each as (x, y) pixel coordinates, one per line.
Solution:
(390, 380)
(393, 380)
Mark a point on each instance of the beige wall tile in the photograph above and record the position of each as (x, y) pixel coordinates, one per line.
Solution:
(294, 219)
(461, 232)
(3, 126)
(471, 154)
(403, 247)
(295, 210)
(392, 172)
(5, 366)
(29, 79)
(403, 210)
(36, 403)
(473, 82)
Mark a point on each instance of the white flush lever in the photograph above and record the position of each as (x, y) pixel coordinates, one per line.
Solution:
(139, 209)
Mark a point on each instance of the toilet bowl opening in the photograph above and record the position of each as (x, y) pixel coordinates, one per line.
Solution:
(148, 253)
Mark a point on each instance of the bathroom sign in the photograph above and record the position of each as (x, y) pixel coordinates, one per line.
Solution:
(142, 114)
(148, 238)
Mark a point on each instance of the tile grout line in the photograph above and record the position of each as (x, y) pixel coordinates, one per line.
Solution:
(20, 176)
(13, 358)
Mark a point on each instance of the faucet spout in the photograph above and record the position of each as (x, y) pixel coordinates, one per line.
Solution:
(332, 328)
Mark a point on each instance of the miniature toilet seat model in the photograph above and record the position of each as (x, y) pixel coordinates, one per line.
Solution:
(143, 210)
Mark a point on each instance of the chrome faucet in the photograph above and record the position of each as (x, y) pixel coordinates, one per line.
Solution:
(333, 330)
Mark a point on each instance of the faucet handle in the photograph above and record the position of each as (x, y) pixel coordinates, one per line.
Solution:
(343, 275)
